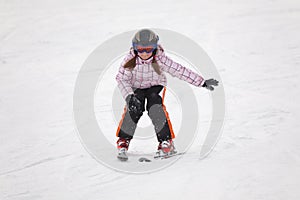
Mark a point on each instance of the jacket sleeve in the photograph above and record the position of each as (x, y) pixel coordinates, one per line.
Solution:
(124, 77)
(179, 71)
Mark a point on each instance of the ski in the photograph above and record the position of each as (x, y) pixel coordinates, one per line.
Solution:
(167, 156)
(159, 157)
(122, 156)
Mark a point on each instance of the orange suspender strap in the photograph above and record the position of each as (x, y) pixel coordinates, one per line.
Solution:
(121, 122)
(167, 114)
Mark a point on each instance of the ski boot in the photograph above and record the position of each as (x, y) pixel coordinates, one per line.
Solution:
(123, 145)
(165, 149)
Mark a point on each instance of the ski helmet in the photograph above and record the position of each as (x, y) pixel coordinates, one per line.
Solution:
(145, 37)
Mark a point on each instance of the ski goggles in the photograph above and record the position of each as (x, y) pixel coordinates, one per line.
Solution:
(147, 49)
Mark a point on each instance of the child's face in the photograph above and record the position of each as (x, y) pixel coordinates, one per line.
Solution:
(145, 55)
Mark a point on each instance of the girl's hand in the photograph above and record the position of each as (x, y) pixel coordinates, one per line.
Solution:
(208, 84)
(134, 104)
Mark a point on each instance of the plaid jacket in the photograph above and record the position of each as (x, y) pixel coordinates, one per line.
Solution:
(144, 76)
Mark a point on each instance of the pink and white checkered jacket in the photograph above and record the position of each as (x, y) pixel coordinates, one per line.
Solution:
(144, 76)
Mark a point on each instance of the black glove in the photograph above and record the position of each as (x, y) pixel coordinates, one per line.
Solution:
(133, 103)
(208, 84)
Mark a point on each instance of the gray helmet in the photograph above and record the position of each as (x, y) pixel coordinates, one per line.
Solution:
(145, 37)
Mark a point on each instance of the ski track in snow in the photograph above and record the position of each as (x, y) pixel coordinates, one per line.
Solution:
(255, 46)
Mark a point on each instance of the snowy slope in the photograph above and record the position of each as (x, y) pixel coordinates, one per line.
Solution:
(255, 46)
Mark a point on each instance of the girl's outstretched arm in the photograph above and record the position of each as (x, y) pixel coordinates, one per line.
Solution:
(177, 70)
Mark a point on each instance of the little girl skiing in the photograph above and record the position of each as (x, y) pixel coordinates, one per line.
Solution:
(141, 76)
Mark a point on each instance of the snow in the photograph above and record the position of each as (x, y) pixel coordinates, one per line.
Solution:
(255, 46)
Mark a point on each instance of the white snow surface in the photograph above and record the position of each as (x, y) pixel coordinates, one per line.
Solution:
(255, 46)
